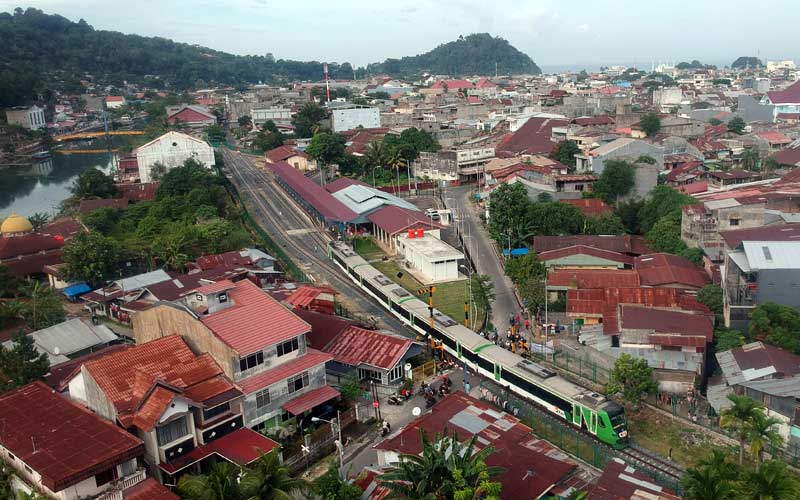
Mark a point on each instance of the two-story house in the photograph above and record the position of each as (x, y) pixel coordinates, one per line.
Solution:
(179, 404)
(701, 224)
(257, 342)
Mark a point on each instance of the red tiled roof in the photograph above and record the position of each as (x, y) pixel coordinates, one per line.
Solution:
(59, 374)
(305, 295)
(241, 447)
(659, 269)
(782, 232)
(634, 245)
(789, 95)
(590, 207)
(531, 465)
(355, 346)
(669, 323)
(393, 219)
(593, 278)
(63, 442)
(191, 115)
(149, 489)
(313, 194)
(311, 399)
(66, 227)
(135, 191)
(532, 138)
(453, 84)
(26, 244)
(150, 411)
(594, 120)
(343, 182)
(87, 206)
(283, 153)
(254, 321)
(584, 250)
(773, 137)
(621, 482)
(310, 359)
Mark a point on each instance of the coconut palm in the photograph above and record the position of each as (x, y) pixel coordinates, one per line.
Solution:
(738, 417)
(221, 483)
(771, 481)
(761, 433)
(419, 477)
(704, 483)
(268, 479)
(469, 469)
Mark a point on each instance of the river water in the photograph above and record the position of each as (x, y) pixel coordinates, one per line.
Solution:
(43, 186)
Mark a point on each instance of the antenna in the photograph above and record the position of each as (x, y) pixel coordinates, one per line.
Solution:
(327, 84)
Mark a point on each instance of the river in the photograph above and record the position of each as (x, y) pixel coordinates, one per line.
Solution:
(43, 186)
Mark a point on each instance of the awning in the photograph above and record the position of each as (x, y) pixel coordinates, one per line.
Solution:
(311, 399)
(76, 289)
(241, 447)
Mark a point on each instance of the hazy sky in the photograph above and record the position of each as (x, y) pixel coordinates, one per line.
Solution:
(566, 32)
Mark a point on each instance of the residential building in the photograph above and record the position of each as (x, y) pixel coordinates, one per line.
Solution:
(535, 136)
(624, 148)
(257, 342)
(172, 150)
(702, 224)
(173, 400)
(620, 481)
(297, 159)
(31, 118)
(64, 450)
(190, 115)
(70, 339)
(115, 101)
(757, 272)
(670, 271)
(352, 117)
(784, 101)
(390, 222)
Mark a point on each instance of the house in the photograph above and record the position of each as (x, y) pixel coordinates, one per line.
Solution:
(582, 256)
(620, 481)
(775, 140)
(590, 207)
(632, 246)
(756, 272)
(63, 450)
(624, 148)
(353, 117)
(292, 156)
(767, 374)
(534, 137)
(373, 356)
(784, 101)
(391, 221)
(789, 157)
(259, 344)
(321, 299)
(719, 179)
(172, 150)
(430, 259)
(190, 115)
(703, 224)
(176, 402)
(115, 101)
(532, 466)
(31, 118)
(70, 339)
(670, 271)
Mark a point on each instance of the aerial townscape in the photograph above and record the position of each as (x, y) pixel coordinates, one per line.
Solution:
(456, 275)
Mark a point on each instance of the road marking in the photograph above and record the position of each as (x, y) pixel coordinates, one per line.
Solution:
(294, 232)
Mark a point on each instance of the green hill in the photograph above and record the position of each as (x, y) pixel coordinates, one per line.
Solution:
(474, 54)
(746, 62)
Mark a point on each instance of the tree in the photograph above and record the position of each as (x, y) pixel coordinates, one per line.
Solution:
(215, 134)
(306, 121)
(551, 219)
(726, 339)
(221, 483)
(38, 220)
(410, 143)
(617, 179)
(665, 236)
(604, 224)
(631, 377)
(738, 418)
(42, 308)
(508, 206)
(711, 479)
(771, 481)
(268, 479)
(267, 141)
(269, 126)
(737, 125)
(711, 297)
(5, 481)
(714, 122)
(778, 324)
(101, 220)
(22, 363)
(90, 257)
(565, 151)
(662, 201)
(245, 121)
(351, 387)
(650, 124)
(750, 159)
(628, 213)
(157, 170)
(762, 434)
(483, 293)
(93, 183)
(528, 275)
(330, 486)
(326, 147)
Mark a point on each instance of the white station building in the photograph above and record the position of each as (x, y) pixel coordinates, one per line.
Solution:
(434, 260)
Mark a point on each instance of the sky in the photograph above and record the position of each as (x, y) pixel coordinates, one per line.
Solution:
(565, 33)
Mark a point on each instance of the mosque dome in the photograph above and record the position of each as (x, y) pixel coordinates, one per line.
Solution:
(15, 224)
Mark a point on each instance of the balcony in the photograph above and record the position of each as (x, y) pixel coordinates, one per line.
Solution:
(122, 484)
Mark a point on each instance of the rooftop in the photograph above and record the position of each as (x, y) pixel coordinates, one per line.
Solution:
(393, 219)
(533, 137)
(310, 359)
(593, 278)
(283, 153)
(599, 253)
(355, 346)
(60, 440)
(783, 232)
(669, 322)
(620, 481)
(627, 244)
(364, 199)
(590, 207)
(772, 254)
(659, 269)
(329, 207)
(431, 247)
(757, 360)
(254, 320)
(241, 447)
(69, 337)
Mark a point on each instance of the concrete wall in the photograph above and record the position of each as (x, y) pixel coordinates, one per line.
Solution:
(780, 286)
(351, 118)
(629, 152)
(96, 399)
(751, 111)
(172, 151)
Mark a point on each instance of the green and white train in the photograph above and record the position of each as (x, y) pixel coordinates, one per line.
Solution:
(577, 405)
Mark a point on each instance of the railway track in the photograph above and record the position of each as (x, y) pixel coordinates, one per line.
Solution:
(640, 457)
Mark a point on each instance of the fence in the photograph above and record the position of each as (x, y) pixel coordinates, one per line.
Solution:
(320, 442)
(563, 435)
(423, 371)
(571, 363)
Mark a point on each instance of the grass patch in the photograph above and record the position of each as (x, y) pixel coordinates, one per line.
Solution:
(367, 248)
(662, 434)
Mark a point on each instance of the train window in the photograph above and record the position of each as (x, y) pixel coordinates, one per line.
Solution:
(485, 364)
(537, 391)
(472, 357)
(449, 342)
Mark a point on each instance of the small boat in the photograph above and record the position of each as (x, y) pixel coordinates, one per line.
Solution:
(41, 155)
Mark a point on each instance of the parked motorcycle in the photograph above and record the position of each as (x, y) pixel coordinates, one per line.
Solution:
(396, 400)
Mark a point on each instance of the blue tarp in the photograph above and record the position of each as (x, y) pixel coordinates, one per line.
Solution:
(516, 252)
(76, 289)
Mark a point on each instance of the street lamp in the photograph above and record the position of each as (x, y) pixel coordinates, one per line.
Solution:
(340, 445)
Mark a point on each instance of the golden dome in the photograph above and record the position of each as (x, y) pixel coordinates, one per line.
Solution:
(15, 224)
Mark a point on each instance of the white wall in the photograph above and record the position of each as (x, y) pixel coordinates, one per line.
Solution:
(171, 150)
(351, 118)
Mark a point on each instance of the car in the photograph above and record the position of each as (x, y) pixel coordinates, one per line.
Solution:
(432, 213)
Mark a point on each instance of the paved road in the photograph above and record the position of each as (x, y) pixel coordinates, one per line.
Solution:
(479, 245)
(291, 228)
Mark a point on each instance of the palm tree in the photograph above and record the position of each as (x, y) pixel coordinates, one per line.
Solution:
(771, 481)
(268, 479)
(738, 417)
(761, 433)
(483, 293)
(221, 483)
(375, 154)
(419, 477)
(704, 483)
(469, 469)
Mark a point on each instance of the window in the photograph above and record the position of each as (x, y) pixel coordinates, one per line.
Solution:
(217, 410)
(262, 398)
(222, 298)
(396, 373)
(367, 374)
(171, 431)
(288, 346)
(734, 222)
(106, 476)
(297, 382)
(251, 361)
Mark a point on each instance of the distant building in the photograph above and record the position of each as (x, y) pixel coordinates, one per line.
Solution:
(191, 115)
(624, 148)
(28, 118)
(275, 114)
(115, 101)
(785, 101)
(297, 159)
(172, 150)
(350, 118)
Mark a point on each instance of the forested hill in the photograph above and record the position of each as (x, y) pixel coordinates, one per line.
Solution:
(475, 54)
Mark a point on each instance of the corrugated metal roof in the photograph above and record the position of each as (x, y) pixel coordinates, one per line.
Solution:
(143, 280)
(328, 206)
(781, 387)
(355, 346)
(772, 254)
(74, 335)
(309, 400)
(310, 359)
(363, 199)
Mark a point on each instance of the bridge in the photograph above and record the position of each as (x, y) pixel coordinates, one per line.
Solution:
(78, 151)
(92, 135)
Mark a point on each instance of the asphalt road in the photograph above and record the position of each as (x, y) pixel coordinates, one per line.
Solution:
(291, 228)
(480, 246)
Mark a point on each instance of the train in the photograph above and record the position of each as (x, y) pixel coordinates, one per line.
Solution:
(579, 406)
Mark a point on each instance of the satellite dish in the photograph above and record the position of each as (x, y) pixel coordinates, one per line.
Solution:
(416, 411)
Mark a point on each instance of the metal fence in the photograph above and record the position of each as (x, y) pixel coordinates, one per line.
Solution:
(571, 363)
